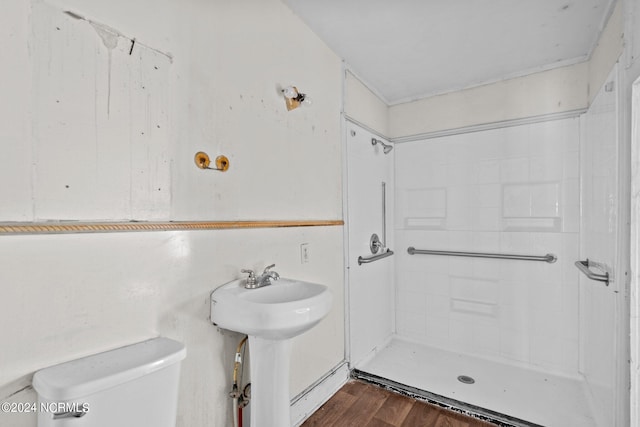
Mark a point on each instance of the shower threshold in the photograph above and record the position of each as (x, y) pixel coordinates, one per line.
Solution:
(442, 401)
(503, 394)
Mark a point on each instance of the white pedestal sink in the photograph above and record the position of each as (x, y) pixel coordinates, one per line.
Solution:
(270, 316)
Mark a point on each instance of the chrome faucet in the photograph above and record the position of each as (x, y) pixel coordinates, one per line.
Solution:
(267, 276)
(253, 282)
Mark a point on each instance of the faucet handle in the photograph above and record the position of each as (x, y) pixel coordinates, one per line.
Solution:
(267, 268)
(251, 280)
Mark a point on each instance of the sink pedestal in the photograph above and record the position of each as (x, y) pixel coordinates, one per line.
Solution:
(269, 367)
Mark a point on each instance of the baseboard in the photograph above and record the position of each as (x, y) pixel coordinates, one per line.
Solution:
(307, 402)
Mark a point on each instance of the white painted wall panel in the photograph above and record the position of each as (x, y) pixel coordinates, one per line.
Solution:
(115, 134)
(15, 91)
(606, 53)
(67, 296)
(100, 122)
(283, 164)
(553, 91)
(635, 258)
(364, 106)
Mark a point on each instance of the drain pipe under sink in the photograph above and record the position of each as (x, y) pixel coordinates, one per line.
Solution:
(235, 393)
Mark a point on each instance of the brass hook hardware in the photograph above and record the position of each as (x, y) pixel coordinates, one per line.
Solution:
(203, 161)
(222, 163)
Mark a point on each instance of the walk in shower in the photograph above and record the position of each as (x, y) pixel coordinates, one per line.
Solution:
(482, 305)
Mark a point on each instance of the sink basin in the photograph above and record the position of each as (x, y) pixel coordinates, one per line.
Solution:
(282, 310)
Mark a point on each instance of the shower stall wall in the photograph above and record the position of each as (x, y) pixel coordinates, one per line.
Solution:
(511, 324)
(370, 291)
(603, 307)
(510, 190)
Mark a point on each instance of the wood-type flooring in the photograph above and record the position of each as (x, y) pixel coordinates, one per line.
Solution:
(360, 404)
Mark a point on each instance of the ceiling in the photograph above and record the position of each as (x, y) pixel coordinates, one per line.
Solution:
(409, 49)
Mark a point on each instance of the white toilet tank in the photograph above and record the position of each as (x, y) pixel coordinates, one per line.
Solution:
(132, 386)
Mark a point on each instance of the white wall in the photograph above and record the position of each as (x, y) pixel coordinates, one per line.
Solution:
(15, 130)
(363, 106)
(554, 91)
(601, 306)
(92, 132)
(241, 54)
(71, 295)
(635, 258)
(607, 51)
(508, 190)
(629, 119)
(141, 118)
(371, 285)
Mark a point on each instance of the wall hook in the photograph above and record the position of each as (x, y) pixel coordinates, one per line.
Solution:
(202, 161)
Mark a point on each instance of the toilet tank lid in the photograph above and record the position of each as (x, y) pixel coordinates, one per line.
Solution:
(91, 374)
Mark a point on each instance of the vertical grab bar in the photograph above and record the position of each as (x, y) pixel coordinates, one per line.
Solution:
(379, 246)
(384, 214)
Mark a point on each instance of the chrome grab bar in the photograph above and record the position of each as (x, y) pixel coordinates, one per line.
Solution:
(384, 213)
(376, 257)
(550, 258)
(584, 267)
(375, 244)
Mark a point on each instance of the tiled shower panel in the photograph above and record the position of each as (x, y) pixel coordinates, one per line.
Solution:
(510, 190)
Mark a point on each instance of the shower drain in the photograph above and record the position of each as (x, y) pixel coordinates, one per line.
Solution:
(466, 379)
